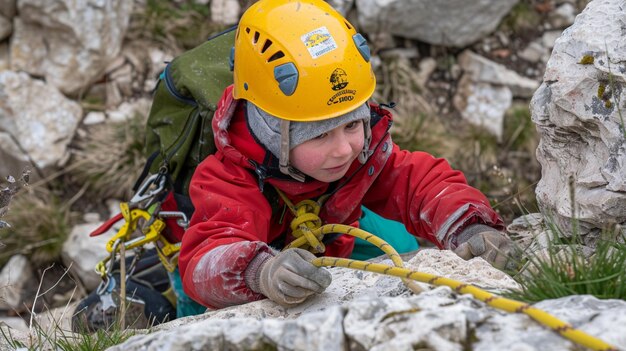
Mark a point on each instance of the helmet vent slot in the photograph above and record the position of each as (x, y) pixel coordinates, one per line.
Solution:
(256, 37)
(276, 56)
(266, 45)
(247, 30)
(348, 24)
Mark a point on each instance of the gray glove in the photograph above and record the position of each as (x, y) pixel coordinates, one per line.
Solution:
(289, 277)
(483, 241)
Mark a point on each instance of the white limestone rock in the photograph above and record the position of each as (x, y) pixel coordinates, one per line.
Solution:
(17, 280)
(455, 23)
(68, 42)
(582, 140)
(225, 12)
(81, 252)
(38, 132)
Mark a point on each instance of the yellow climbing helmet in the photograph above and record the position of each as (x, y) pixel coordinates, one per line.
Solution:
(300, 61)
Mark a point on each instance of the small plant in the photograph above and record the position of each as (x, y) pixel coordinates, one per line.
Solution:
(58, 339)
(477, 155)
(521, 20)
(176, 24)
(519, 132)
(587, 59)
(517, 170)
(100, 340)
(563, 268)
(111, 158)
(40, 223)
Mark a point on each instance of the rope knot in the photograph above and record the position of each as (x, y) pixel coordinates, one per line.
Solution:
(305, 222)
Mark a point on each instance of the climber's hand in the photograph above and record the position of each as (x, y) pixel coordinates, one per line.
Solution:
(289, 277)
(493, 246)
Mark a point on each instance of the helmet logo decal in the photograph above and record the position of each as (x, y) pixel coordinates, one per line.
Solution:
(339, 80)
(319, 42)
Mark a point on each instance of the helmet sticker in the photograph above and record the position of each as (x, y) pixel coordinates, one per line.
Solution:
(319, 42)
(339, 80)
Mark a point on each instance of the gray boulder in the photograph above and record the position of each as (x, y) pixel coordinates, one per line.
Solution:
(579, 113)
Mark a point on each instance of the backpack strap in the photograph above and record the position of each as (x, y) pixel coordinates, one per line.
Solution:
(145, 171)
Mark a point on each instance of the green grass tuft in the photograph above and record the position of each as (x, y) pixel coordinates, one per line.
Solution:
(61, 340)
(563, 269)
(521, 19)
(100, 340)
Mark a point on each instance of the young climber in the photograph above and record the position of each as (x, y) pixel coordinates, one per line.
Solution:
(298, 122)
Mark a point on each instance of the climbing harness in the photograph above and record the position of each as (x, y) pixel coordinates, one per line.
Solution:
(307, 229)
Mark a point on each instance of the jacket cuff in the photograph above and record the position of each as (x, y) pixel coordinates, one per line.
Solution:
(253, 271)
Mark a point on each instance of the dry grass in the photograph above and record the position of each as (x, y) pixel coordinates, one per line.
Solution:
(415, 125)
(40, 223)
(49, 329)
(111, 158)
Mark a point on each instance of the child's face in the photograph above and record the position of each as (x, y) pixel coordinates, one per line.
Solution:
(328, 156)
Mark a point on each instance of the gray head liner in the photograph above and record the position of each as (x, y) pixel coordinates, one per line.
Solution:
(361, 44)
(287, 77)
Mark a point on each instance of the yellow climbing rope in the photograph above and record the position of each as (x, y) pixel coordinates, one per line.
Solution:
(307, 229)
(306, 219)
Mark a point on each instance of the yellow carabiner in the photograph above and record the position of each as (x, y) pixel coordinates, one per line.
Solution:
(168, 248)
(167, 253)
(132, 218)
(101, 268)
(155, 225)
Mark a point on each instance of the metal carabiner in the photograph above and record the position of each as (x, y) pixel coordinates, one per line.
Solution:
(153, 186)
(101, 267)
(105, 292)
(183, 221)
(113, 253)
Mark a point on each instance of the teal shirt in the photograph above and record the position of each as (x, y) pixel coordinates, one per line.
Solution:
(394, 233)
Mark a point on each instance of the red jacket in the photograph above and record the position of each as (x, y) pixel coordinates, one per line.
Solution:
(432, 200)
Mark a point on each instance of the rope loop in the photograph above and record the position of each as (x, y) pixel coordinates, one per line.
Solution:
(305, 222)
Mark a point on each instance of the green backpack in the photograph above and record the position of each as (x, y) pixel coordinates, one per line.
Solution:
(179, 136)
(179, 133)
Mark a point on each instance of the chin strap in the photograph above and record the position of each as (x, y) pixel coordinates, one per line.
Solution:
(367, 131)
(283, 161)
